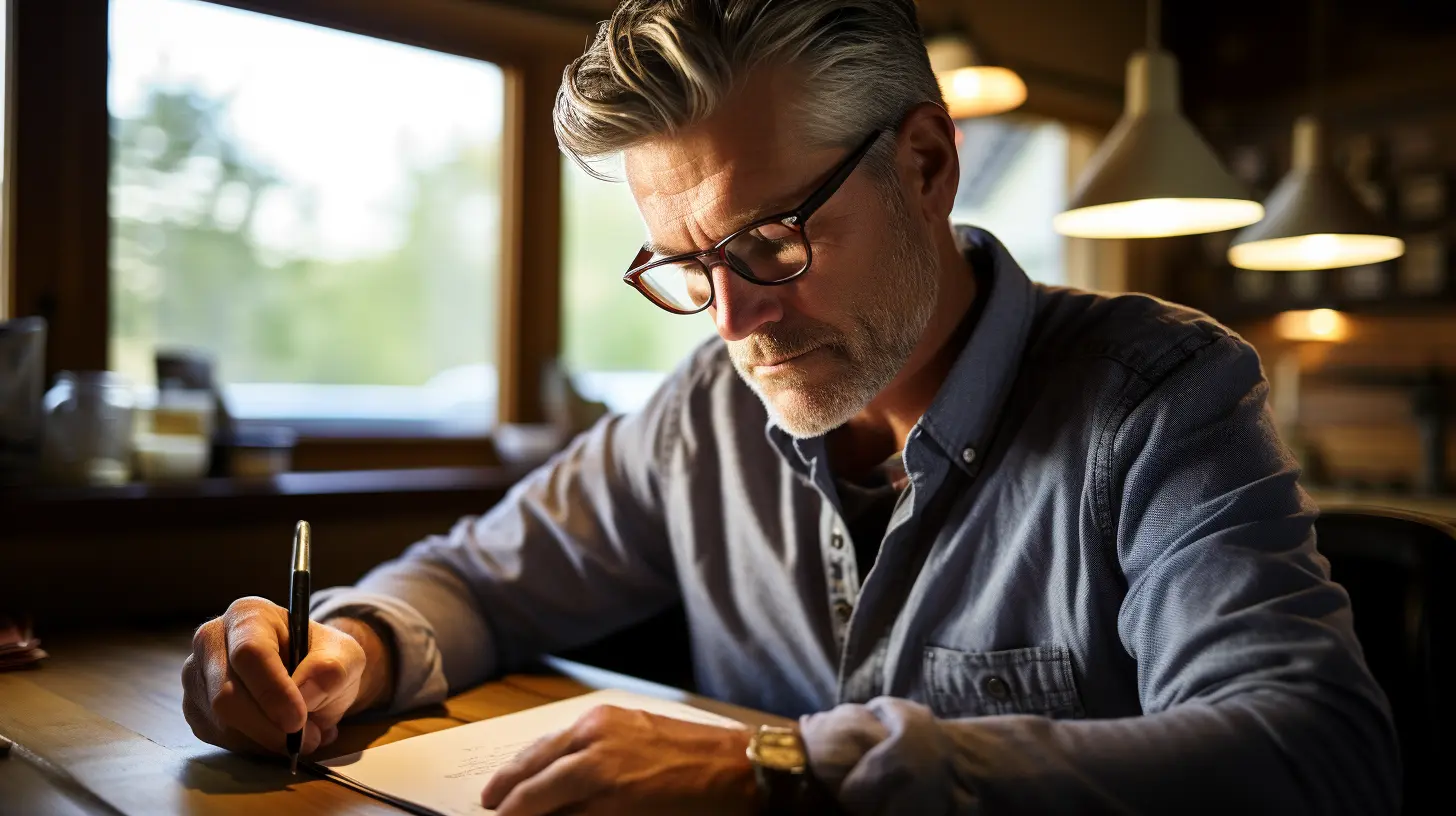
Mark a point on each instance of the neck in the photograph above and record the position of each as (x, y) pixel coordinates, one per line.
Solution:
(877, 432)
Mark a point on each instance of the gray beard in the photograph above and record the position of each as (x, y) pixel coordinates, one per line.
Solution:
(869, 355)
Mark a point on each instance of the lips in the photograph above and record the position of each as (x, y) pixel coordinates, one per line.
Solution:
(778, 361)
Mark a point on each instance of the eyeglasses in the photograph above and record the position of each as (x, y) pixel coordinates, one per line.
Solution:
(768, 252)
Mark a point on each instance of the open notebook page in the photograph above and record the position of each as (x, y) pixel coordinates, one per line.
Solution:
(444, 772)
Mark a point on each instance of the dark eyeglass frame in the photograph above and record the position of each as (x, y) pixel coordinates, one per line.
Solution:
(793, 219)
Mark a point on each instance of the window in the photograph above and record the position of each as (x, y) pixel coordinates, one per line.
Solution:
(1013, 180)
(617, 345)
(318, 211)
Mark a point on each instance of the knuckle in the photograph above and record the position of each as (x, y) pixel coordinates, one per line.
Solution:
(349, 650)
(205, 635)
(249, 603)
(247, 651)
(330, 669)
(598, 721)
(246, 610)
(191, 678)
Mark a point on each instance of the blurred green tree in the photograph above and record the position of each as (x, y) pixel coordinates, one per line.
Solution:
(188, 269)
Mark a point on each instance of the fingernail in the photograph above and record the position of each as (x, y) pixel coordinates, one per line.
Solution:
(313, 695)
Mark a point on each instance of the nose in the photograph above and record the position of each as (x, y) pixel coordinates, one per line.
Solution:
(740, 307)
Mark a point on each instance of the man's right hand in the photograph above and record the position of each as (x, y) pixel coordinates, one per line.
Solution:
(237, 691)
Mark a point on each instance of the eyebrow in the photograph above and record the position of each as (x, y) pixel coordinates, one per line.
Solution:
(742, 218)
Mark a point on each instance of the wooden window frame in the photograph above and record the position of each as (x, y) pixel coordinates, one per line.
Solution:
(57, 162)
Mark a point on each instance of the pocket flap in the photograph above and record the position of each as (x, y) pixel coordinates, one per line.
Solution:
(1035, 680)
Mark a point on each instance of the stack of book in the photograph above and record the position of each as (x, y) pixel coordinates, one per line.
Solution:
(18, 646)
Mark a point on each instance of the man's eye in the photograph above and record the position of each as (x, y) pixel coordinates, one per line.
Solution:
(773, 232)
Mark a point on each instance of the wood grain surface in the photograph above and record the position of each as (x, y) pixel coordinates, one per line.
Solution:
(98, 729)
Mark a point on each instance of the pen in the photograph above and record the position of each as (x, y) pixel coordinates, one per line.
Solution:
(298, 591)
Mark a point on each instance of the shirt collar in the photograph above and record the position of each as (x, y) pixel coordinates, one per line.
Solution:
(964, 412)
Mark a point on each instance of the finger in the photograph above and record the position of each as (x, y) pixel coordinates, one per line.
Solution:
(234, 708)
(527, 764)
(195, 705)
(254, 653)
(568, 781)
(334, 708)
(207, 645)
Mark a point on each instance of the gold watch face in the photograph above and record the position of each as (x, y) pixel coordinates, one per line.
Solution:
(778, 748)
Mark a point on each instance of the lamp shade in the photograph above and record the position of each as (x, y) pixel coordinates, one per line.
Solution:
(1153, 175)
(1314, 220)
(971, 89)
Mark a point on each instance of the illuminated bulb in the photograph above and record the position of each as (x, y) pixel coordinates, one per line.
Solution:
(981, 91)
(965, 83)
(1320, 251)
(1157, 217)
(1323, 325)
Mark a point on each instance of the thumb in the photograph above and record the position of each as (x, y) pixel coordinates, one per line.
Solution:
(331, 668)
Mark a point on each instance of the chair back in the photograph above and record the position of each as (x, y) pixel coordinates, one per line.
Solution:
(1397, 566)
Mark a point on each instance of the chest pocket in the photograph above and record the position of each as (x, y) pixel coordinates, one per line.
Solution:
(1037, 680)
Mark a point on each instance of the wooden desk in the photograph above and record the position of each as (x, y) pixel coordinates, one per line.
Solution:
(100, 731)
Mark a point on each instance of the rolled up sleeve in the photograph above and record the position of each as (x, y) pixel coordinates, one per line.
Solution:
(577, 550)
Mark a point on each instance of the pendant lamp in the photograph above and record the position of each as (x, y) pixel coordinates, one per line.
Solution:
(1314, 220)
(1154, 175)
(971, 88)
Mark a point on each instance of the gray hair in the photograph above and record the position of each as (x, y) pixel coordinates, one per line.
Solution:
(659, 66)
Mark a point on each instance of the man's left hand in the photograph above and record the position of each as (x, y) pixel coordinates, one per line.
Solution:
(616, 760)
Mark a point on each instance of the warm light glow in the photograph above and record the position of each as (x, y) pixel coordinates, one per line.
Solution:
(1158, 217)
(981, 90)
(1319, 325)
(1323, 251)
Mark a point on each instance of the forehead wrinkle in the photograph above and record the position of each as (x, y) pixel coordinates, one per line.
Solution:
(707, 203)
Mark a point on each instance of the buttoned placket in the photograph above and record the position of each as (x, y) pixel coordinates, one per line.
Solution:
(855, 616)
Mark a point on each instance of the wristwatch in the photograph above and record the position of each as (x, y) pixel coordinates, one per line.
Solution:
(781, 770)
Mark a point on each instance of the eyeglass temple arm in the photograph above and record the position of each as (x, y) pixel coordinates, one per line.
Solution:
(829, 187)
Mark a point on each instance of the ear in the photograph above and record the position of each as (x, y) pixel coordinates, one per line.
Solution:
(928, 161)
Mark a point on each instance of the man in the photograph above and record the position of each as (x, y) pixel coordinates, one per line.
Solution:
(1002, 547)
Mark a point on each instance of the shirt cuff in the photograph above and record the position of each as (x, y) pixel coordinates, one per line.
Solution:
(419, 672)
(886, 756)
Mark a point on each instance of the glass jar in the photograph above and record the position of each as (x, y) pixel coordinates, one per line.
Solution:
(88, 429)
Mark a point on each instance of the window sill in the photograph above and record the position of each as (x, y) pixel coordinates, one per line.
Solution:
(370, 430)
(60, 509)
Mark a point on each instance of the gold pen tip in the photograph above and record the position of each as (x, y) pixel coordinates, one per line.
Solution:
(293, 765)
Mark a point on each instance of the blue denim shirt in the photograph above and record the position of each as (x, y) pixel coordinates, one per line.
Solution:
(1101, 592)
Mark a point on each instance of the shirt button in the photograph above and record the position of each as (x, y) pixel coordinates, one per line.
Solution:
(837, 540)
(842, 610)
(968, 455)
(997, 688)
